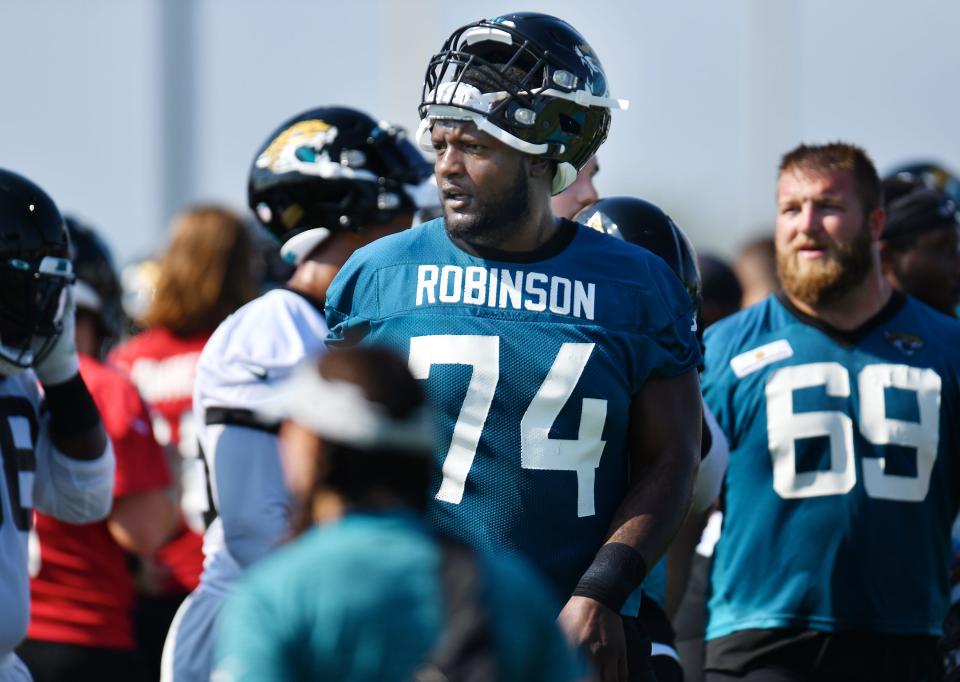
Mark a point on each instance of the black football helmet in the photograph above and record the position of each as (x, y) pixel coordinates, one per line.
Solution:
(97, 288)
(333, 168)
(645, 224)
(929, 174)
(34, 272)
(531, 81)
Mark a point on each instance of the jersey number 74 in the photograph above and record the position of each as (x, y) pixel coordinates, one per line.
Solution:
(537, 449)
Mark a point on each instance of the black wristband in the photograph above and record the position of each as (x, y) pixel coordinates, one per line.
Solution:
(71, 407)
(615, 573)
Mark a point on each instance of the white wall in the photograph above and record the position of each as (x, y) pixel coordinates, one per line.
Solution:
(125, 109)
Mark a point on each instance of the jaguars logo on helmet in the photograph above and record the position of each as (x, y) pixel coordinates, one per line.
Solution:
(333, 168)
(34, 271)
(529, 80)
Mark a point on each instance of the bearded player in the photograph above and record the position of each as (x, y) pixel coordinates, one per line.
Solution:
(562, 362)
(840, 399)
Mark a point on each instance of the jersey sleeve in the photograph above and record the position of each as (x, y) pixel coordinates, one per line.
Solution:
(716, 376)
(75, 491)
(669, 315)
(351, 302)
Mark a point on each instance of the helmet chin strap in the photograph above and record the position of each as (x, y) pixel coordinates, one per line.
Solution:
(563, 177)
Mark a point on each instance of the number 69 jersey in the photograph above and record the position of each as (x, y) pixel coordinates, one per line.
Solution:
(843, 477)
(531, 368)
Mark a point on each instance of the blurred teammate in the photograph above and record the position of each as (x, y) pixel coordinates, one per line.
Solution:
(645, 224)
(325, 183)
(721, 290)
(371, 593)
(840, 400)
(919, 249)
(81, 611)
(756, 269)
(580, 194)
(56, 456)
(558, 358)
(206, 273)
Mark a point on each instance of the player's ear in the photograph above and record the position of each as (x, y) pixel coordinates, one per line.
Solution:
(540, 167)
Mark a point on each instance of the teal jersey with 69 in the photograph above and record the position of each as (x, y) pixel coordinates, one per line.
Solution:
(842, 482)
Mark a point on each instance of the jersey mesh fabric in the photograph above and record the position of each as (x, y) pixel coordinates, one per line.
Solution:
(83, 593)
(814, 555)
(361, 600)
(638, 326)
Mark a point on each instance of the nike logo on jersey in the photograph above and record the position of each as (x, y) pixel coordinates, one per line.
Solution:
(760, 357)
(507, 289)
(257, 371)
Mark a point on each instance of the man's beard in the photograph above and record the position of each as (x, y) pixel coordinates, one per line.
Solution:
(819, 282)
(495, 219)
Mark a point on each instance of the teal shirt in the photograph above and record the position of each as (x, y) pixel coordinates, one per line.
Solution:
(843, 476)
(530, 368)
(360, 600)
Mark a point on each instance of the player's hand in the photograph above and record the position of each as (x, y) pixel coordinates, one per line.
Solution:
(599, 630)
(62, 363)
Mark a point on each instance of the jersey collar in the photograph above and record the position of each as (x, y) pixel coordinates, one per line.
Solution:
(556, 244)
(852, 336)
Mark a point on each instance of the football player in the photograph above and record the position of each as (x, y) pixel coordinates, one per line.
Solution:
(368, 592)
(56, 455)
(839, 397)
(81, 611)
(205, 274)
(325, 183)
(645, 224)
(560, 359)
(919, 248)
(580, 194)
(756, 269)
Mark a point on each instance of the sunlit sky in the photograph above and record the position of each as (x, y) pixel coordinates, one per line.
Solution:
(125, 110)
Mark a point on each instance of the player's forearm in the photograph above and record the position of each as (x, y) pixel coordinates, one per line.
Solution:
(142, 522)
(656, 504)
(665, 420)
(75, 426)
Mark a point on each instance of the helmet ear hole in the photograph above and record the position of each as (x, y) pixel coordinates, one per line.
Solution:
(563, 177)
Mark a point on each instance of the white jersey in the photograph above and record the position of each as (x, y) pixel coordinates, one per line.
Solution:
(36, 475)
(248, 355)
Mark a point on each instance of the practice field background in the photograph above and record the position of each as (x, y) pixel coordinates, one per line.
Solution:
(126, 109)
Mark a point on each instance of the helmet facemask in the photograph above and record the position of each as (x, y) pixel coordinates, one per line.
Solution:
(32, 303)
(520, 93)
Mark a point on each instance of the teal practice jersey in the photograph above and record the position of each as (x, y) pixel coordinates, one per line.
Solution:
(361, 600)
(531, 368)
(843, 477)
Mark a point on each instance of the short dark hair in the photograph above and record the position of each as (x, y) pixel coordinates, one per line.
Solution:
(838, 156)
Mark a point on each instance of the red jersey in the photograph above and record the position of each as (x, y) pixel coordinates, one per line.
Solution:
(163, 367)
(83, 593)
